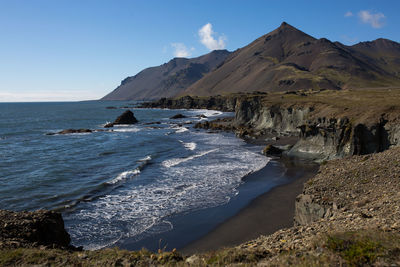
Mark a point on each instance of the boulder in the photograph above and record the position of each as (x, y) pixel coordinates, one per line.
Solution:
(271, 150)
(178, 116)
(125, 118)
(31, 229)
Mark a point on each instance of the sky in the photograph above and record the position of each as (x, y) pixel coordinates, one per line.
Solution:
(69, 50)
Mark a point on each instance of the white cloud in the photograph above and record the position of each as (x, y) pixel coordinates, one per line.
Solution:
(348, 14)
(376, 20)
(181, 50)
(206, 38)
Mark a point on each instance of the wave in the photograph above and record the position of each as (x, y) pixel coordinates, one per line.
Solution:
(189, 146)
(127, 130)
(124, 176)
(181, 130)
(173, 162)
(208, 112)
(131, 173)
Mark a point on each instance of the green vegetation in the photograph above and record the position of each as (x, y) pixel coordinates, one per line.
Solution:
(232, 255)
(104, 257)
(358, 248)
(355, 251)
(362, 248)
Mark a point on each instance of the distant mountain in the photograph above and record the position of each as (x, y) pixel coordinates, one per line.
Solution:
(168, 79)
(289, 59)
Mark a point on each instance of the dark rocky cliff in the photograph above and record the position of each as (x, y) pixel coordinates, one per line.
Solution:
(222, 103)
(329, 124)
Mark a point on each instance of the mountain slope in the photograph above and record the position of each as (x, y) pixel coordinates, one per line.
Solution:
(168, 79)
(289, 59)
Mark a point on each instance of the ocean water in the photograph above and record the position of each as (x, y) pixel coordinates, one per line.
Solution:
(122, 184)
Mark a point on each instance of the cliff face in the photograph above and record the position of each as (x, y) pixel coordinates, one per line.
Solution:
(325, 132)
(329, 124)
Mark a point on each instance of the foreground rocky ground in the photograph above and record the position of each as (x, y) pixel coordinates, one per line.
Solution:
(347, 215)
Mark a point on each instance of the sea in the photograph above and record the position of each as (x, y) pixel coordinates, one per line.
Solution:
(129, 183)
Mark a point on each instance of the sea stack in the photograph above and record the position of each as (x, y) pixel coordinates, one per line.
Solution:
(125, 118)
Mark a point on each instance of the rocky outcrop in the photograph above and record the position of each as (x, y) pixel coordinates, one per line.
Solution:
(222, 103)
(178, 116)
(326, 128)
(32, 229)
(321, 137)
(357, 185)
(271, 150)
(125, 118)
(72, 131)
(221, 124)
(276, 119)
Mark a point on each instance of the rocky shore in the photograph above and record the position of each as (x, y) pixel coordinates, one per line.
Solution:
(329, 124)
(347, 215)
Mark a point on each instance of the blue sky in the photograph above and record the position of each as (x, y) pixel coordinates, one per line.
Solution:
(81, 49)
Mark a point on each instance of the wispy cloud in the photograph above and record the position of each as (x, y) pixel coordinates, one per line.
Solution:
(348, 14)
(376, 20)
(181, 50)
(206, 35)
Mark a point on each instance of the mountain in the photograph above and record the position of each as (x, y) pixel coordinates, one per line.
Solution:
(168, 79)
(289, 59)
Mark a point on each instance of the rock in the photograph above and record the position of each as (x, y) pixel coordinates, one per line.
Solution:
(193, 260)
(271, 150)
(71, 131)
(31, 229)
(125, 118)
(201, 116)
(111, 107)
(178, 116)
(109, 125)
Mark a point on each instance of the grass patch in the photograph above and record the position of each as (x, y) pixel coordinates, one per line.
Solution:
(230, 255)
(356, 249)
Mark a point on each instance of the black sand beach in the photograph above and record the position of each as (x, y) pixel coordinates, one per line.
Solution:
(265, 203)
(264, 215)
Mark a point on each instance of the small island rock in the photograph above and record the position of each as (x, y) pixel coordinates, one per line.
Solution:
(125, 118)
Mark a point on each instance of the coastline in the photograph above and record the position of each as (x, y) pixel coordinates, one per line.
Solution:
(264, 215)
(273, 188)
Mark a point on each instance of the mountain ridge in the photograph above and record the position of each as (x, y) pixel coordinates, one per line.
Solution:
(289, 59)
(286, 59)
(168, 79)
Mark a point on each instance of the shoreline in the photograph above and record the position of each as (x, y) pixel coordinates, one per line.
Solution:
(276, 207)
(275, 185)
